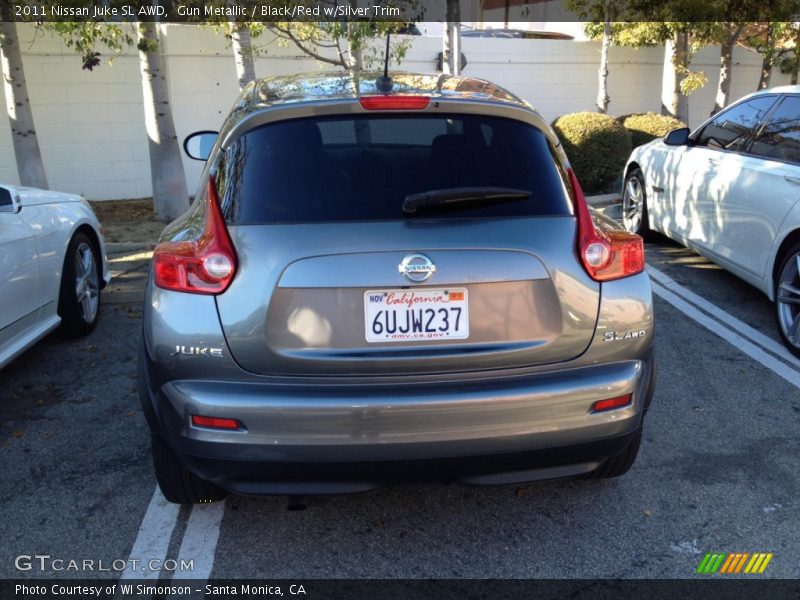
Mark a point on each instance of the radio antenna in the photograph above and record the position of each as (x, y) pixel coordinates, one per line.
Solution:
(384, 84)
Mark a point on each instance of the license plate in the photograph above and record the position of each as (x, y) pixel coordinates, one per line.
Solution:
(416, 315)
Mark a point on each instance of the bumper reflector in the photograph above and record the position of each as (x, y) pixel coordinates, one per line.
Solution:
(611, 403)
(215, 422)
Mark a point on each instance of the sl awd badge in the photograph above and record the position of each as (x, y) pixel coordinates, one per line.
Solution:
(616, 336)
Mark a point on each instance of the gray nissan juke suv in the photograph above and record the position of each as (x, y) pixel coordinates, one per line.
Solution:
(379, 283)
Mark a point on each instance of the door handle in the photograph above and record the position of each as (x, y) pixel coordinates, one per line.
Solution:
(713, 161)
(790, 179)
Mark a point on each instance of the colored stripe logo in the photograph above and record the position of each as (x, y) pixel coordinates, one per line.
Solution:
(734, 563)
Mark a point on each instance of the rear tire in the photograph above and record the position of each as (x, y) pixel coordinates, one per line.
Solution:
(178, 484)
(615, 466)
(79, 295)
(634, 203)
(787, 299)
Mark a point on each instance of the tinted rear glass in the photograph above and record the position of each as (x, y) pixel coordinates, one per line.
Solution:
(363, 167)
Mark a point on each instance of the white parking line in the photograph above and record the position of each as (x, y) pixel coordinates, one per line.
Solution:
(739, 342)
(715, 311)
(200, 540)
(152, 540)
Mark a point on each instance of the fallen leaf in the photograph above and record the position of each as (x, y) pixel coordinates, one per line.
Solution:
(18, 433)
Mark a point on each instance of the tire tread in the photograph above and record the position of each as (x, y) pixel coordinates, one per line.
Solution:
(179, 485)
(72, 324)
(616, 466)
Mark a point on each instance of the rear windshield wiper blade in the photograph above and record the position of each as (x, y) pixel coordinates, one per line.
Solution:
(456, 195)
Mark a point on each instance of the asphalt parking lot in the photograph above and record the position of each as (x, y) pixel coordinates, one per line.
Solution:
(718, 470)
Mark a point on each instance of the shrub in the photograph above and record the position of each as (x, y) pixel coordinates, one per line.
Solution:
(597, 147)
(645, 127)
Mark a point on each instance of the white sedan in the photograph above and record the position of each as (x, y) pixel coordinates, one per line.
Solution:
(52, 267)
(730, 190)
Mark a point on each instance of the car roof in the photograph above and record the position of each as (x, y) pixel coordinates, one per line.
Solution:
(315, 87)
(315, 94)
(781, 89)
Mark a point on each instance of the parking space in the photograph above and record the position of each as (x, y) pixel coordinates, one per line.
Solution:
(717, 470)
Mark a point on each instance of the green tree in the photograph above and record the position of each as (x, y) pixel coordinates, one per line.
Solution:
(240, 35)
(349, 41)
(341, 43)
(763, 38)
(18, 106)
(597, 12)
(776, 42)
(726, 35)
(170, 195)
(451, 39)
(681, 41)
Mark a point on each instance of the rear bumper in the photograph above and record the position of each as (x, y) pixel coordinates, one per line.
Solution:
(334, 438)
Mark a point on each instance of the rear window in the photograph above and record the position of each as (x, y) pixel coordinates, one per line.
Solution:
(355, 168)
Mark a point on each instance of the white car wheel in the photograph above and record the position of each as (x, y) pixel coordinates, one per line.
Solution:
(787, 300)
(634, 203)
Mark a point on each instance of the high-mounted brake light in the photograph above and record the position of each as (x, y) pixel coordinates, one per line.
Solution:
(605, 255)
(611, 403)
(202, 266)
(215, 422)
(394, 102)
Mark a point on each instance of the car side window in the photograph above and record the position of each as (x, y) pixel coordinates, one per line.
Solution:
(5, 199)
(779, 138)
(731, 130)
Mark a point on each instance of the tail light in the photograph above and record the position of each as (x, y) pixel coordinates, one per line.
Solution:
(606, 255)
(394, 102)
(202, 266)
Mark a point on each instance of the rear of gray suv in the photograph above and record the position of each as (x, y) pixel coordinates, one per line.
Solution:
(377, 287)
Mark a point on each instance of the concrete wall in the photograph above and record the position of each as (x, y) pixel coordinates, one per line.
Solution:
(91, 124)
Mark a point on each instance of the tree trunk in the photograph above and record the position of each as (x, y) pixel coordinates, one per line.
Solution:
(725, 72)
(766, 62)
(602, 89)
(18, 106)
(170, 198)
(766, 74)
(355, 61)
(676, 55)
(242, 52)
(451, 51)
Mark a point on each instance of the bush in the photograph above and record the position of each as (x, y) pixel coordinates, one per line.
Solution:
(597, 147)
(645, 127)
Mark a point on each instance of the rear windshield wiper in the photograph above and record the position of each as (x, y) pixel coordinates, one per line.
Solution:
(465, 194)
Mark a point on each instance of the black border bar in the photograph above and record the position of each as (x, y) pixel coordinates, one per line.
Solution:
(701, 588)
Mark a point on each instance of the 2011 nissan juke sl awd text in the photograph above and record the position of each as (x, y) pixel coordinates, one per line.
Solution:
(377, 286)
